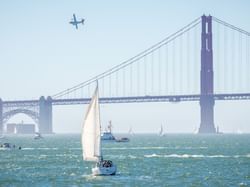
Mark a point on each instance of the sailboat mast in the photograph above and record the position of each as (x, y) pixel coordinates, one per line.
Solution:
(99, 118)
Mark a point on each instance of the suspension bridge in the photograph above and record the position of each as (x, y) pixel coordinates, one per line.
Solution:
(206, 60)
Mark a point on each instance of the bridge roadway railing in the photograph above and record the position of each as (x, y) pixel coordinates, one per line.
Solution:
(134, 99)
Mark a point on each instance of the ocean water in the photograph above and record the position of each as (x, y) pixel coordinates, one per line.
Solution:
(147, 160)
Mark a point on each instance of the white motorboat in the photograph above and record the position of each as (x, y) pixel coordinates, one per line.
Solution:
(107, 135)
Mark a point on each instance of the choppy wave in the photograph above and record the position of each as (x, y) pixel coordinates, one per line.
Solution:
(196, 156)
(40, 148)
(151, 148)
(116, 148)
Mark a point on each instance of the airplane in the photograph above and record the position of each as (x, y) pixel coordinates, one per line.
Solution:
(74, 22)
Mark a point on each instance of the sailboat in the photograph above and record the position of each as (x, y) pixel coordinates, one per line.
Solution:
(239, 131)
(161, 133)
(91, 139)
(196, 130)
(218, 131)
(37, 136)
(130, 131)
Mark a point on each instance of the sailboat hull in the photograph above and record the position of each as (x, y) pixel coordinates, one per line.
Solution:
(104, 170)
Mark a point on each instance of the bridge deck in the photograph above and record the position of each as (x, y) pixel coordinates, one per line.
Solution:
(134, 99)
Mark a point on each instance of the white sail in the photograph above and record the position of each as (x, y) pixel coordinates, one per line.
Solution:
(91, 131)
(130, 131)
(161, 131)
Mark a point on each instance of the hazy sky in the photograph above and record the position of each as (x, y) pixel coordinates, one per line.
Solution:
(42, 54)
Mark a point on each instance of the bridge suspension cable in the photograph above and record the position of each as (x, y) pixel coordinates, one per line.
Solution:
(231, 58)
(130, 61)
(231, 26)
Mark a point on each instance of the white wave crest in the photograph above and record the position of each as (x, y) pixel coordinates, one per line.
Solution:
(196, 156)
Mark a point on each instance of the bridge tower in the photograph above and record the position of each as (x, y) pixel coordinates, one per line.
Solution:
(1, 116)
(45, 115)
(206, 78)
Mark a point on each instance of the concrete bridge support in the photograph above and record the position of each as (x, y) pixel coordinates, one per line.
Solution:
(1, 116)
(207, 78)
(45, 115)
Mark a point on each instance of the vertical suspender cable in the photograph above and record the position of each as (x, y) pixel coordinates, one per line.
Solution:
(181, 64)
(138, 78)
(152, 73)
(145, 75)
(233, 62)
(187, 82)
(159, 73)
(217, 62)
(247, 63)
(103, 87)
(240, 63)
(131, 77)
(195, 63)
(173, 70)
(225, 60)
(110, 86)
(166, 73)
(124, 86)
(117, 84)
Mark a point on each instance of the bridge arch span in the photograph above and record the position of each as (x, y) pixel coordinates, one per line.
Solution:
(32, 114)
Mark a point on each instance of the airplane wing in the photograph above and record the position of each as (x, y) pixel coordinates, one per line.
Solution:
(74, 17)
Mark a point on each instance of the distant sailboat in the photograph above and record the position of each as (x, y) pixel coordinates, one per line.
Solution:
(37, 136)
(91, 139)
(161, 133)
(130, 131)
(239, 131)
(218, 130)
(196, 130)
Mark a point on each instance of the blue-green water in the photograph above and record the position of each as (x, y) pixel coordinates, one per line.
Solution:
(147, 160)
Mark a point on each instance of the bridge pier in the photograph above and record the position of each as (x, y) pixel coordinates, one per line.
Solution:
(206, 75)
(1, 116)
(45, 115)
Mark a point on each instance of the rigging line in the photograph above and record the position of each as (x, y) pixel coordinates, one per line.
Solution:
(231, 26)
(184, 29)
